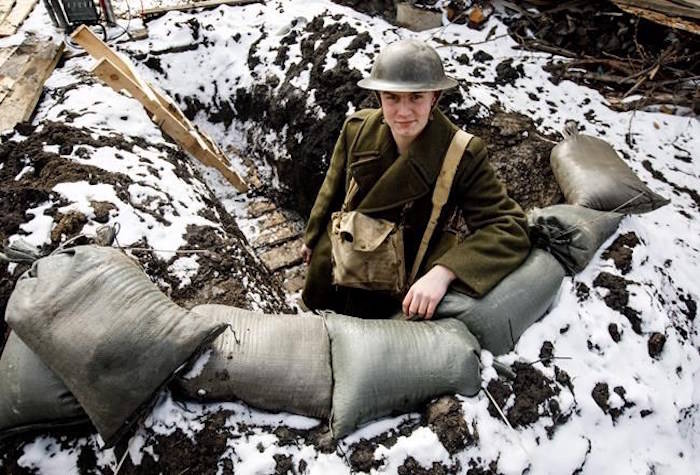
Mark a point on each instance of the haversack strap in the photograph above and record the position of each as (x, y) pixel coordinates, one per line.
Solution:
(459, 143)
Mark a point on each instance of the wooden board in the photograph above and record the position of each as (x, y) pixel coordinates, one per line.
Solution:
(25, 73)
(191, 6)
(664, 6)
(5, 8)
(14, 19)
(98, 49)
(179, 132)
(658, 17)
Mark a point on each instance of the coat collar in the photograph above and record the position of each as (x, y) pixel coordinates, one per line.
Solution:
(411, 175)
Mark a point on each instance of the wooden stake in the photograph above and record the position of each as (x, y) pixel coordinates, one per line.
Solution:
(119, 73)
(118, 80)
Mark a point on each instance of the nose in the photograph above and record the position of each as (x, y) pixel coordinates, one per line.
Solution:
(403, 107)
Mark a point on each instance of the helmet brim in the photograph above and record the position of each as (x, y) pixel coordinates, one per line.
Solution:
(394, 86)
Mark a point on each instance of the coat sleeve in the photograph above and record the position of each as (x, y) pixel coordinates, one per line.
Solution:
(331, 192)
(498, 241)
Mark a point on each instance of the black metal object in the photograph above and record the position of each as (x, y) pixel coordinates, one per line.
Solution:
(80, 12)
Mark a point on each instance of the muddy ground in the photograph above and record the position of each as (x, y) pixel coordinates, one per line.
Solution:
(212, 282)
(519, 154)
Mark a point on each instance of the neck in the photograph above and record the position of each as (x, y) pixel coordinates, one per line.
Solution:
(402, 142)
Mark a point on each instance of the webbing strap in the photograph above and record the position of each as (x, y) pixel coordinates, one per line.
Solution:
(442, 191)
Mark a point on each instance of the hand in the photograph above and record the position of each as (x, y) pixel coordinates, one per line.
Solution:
(425, 294)
(306, 253)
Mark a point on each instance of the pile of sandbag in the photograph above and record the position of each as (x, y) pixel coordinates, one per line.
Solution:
(599, 189)
(93, 321)
(94, 339)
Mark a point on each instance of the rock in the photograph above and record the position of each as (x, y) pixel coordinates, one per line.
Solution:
(614, 332)
(656, 344)
(68, 225)
(101, 210)
(417, 19)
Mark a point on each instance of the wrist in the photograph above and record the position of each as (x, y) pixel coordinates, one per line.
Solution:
(445, 273)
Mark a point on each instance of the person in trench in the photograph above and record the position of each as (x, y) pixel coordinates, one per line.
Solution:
(392, 157)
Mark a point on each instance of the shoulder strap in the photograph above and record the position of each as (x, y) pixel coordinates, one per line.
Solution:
(459, 143)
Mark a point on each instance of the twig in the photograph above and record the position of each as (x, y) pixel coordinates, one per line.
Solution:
(550, 358)
(444, 43)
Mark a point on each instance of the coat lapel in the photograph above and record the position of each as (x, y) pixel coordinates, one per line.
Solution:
(390, 181)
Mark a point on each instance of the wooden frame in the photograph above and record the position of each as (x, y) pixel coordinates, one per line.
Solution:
(118, 72)
(14, 17)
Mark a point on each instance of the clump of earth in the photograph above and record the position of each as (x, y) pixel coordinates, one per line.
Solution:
(45, 169)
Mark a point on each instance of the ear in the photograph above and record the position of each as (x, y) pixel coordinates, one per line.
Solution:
(436, 97)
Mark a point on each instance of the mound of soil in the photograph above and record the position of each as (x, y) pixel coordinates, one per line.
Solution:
(612, 47)
(620, 251)
(219, 276)
(533, 396)
(618, 297)
(383, 8)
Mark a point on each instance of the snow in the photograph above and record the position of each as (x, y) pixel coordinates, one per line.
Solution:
(663, 267)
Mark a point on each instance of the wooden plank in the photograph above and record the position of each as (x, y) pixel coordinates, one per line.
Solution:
(284, 256)
(118, 80)
(98, 49)
(5, 8)
(18, 104)
(14, 19)
(191, 6)
(6, 85)
(163, 110)
(5, 54)
(658, 17)
(663, 6)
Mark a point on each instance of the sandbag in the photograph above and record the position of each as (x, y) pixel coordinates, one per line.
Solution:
(499, 318)
(31, 395)
(382, 366)
(274, 362)
(98, 322)
(571, 233)
(591, 174)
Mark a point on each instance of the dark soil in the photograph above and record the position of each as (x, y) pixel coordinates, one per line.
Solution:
(618, 297)
(412, 467)
(655, 344)
(614, 332)
(534, 396)
(201, 455)
(446, 418)
(546, 352)
(214, 282)
(620, 251)
(601, 396)
(582, 291)
(598, 31)
(383, 8)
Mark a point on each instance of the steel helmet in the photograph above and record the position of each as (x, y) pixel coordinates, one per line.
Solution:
(407, 66)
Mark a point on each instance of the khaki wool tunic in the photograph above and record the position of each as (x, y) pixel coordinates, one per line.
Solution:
(401, 189)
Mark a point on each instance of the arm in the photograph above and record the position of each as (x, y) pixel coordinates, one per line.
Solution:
(333, 185)
(498, 242)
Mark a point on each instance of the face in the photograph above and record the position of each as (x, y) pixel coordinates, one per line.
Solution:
(407, 113)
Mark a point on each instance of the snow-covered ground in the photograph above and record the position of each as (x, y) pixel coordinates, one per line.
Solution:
(658, 426)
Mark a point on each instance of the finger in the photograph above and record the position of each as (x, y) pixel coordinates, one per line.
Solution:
(415, 305)
(407, 302)
(431, 309)
(423, 307)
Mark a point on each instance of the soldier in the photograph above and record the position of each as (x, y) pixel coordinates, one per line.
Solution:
(392, 157)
